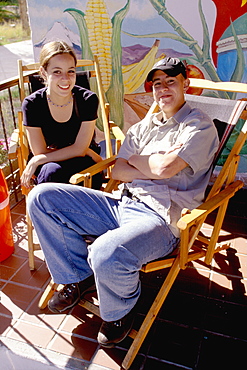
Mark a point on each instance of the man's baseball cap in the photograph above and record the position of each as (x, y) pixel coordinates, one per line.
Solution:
(171, 66)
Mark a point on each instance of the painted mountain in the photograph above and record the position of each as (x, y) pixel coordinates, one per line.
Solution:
(60, 32)
(134, 53)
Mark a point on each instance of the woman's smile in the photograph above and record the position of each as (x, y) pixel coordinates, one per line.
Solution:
(64, 87)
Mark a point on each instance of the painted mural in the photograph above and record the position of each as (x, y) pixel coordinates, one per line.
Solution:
(129, 36)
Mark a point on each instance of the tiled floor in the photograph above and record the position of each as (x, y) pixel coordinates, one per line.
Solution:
(202, 324)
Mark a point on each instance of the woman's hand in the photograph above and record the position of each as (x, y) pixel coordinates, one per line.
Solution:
(30, 169)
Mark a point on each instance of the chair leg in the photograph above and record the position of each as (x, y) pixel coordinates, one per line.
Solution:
(151, 315)
(30, 242)
(89, 306)
(47, 295)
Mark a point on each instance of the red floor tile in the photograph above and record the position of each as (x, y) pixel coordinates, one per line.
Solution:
(233, 357)
(6, 324)
(240, 244)
(226, 319)
(19, 293)
(73, 346)
(179, 344)
(13, 262)
(112, 359)
(45, 318)
(38, 336)
(84, 325)
(35, 278)
(11, 307)
(205, 309)
(20, 208)
(6, 272)
(102, 358)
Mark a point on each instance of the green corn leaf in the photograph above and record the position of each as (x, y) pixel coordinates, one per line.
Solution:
(115, 93)
(239, 68)
(206, 38)
(78, 16)
(158, 35)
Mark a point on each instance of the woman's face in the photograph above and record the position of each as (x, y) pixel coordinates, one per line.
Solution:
(60, 74)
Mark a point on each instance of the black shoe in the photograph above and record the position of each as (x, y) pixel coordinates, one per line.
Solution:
(70, 295)
(113, 332)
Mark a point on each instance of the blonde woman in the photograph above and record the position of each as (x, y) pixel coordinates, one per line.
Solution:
(60, 121)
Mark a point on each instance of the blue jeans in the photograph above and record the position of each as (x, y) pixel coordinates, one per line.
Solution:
(129, 234)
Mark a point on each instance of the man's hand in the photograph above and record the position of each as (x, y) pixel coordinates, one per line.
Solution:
(174, 147)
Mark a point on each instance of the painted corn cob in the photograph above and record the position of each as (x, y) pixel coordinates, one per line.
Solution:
(100, 34)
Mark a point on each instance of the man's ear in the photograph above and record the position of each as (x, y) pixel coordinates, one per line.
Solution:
(186, 84)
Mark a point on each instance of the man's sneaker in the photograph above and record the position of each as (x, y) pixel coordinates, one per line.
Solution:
(70, 295)
(113, 332)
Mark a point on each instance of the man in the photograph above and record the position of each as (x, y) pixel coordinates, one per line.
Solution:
(164, 165)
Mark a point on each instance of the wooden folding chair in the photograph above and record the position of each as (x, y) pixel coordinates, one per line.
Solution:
(193, 244)
(19, 148)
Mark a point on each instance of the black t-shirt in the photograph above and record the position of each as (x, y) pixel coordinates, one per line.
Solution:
(36, 113)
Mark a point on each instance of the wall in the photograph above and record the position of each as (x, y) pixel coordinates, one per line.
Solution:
(129, 36)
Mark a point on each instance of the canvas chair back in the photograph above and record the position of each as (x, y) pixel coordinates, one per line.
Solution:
(224, 112)
(89, 77)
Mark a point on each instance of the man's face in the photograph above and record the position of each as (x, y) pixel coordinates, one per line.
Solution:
(169, 92)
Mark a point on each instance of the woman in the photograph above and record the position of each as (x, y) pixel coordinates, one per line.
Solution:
(60, 121)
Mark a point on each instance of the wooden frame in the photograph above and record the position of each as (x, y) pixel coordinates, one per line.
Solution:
(19, 147)
(193, 244)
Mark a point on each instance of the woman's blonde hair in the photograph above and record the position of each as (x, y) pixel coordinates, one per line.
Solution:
(53, 48)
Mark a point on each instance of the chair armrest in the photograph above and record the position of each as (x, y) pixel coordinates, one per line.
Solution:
(209, 206)
(89, 172)
(117, 132)
(14, 144)
(220, 86)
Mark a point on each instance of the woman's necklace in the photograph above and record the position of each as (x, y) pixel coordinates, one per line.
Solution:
(57, 105)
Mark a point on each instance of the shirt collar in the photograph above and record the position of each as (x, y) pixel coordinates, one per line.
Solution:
(179, 116)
